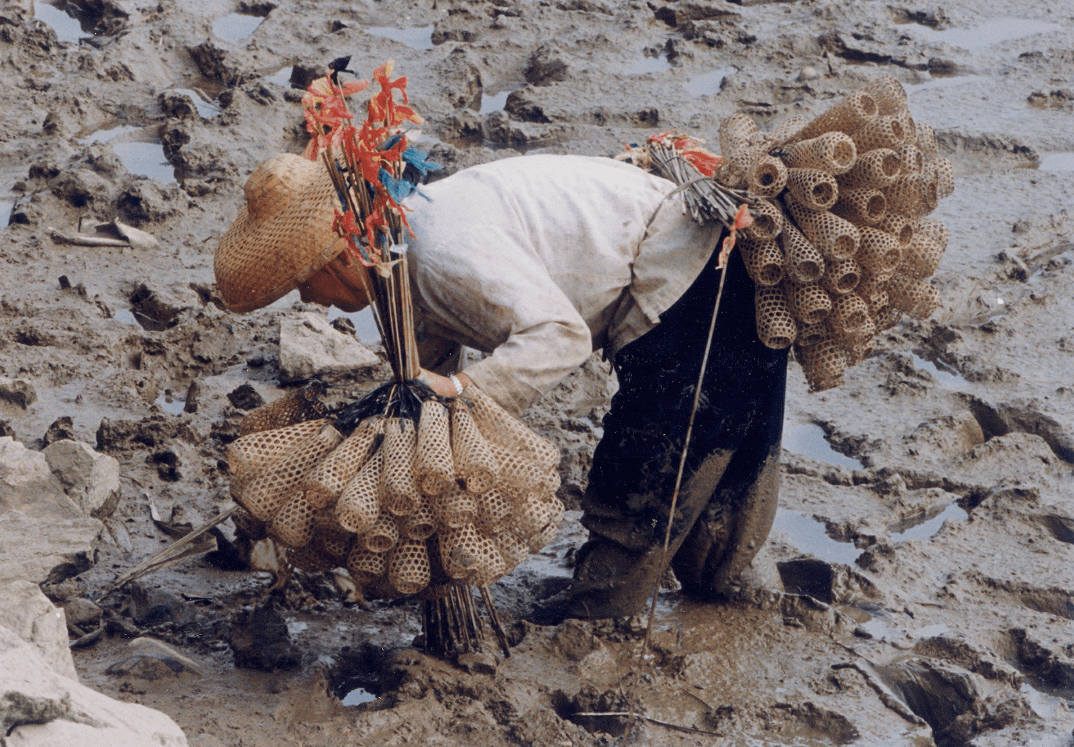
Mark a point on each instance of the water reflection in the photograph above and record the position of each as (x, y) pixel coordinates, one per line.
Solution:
(107, 135)
(417, 37)
(943, 373)
(169, 403)
(709, 83)
(357, 696)
(281, 77)
(650, 64)
(493, 102)
(925, 527)
(1056, 162)
(810, 537)
(810, 440)
(56, 16)
(235, 26)
(365, 324)
(986, 35)
(145, 159)
(205, 106)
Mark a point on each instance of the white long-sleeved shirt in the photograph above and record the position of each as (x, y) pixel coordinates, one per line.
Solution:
(543, 259)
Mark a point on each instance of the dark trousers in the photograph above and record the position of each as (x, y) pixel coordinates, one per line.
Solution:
(730, 482)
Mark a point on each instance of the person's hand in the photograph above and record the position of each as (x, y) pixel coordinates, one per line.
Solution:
(442, 385)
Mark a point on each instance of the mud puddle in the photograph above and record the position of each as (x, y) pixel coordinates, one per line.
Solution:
(235, 27)
(990, 34)
(810, 536)
(415, 37)
(63, 18)
(809, 439)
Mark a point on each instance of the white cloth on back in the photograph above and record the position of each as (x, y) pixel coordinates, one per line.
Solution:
(542, 259)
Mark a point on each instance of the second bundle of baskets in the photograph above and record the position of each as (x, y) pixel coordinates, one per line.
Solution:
(841, 246)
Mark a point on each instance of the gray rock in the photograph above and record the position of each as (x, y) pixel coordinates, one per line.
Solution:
(150, 659)
(309, 347)
(40, 708)
(28, 613)
(46, 549)
(89, 478)
(82, 612)
(27, 481)
(44, 535)
(17, 392)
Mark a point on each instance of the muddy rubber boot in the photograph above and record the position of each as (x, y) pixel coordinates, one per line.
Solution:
(728, 533)
(609, 581)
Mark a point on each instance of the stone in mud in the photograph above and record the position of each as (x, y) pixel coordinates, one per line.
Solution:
(161, 308)
(82, 612)
(28, 613)
(46, 549)
(61, 429)
(245, 397)
(149, 607)
(309, 348)
(41, 708)
(44, 536)
(150, 659)
(259, 640)
(830, 583)
(17, 392)
(546, 66)
(89, 478)
(27, 483)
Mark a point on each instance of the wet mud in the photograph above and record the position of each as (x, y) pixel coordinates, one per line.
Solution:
(917, 587)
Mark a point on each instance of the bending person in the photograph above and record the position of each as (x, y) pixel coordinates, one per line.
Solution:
(539, 261)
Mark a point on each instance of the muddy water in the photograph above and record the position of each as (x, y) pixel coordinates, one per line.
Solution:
(927, 495)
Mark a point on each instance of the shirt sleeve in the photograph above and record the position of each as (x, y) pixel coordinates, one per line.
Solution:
(497, 297)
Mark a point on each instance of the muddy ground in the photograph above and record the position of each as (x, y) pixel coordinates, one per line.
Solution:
(918, 586)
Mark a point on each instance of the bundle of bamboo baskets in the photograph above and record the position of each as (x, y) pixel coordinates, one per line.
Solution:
(463, 489)
(841, 246)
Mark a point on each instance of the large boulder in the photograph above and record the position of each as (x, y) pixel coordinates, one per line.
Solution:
(44, 535)
(28, 613)
(310, 347)
(40, 708)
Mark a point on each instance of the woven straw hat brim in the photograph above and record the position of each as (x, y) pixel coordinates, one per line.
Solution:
(281, 237)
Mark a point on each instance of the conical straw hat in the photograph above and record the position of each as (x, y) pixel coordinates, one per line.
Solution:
(282, 236)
